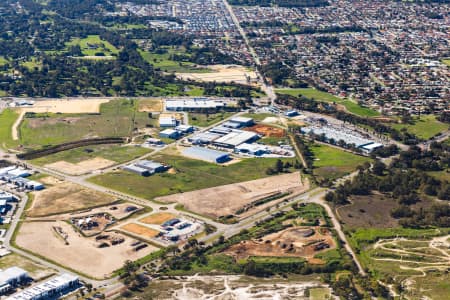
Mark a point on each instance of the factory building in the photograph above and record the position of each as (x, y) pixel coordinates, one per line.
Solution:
(368, 148)
(195, 104)
(242, 121)
(12, 277)
(203, 138)
(235, 138)
(50, 289)
(169, 134)
(145, 167)
(165, 122)
(291, 113)
(184, 129)
(17, 176)
(253, 149)
(206, 154)
(6, 196)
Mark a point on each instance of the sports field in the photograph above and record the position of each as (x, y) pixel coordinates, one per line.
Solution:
(332, 163)
(163, 61)
(312, 93)
(189, 175)
(425, 128)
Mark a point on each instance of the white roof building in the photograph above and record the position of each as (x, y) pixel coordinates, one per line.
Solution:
(235, 138)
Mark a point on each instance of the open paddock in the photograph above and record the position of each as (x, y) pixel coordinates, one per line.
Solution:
(59, 242)
(228, 199)
(66, 197)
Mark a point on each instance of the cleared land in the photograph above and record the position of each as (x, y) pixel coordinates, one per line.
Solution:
(151, 105)
(188, 175)
(157, 218)
(66, 106)
(66, 197)
(34, 269)
(368, 211)
(67, 247)
(332, 163)
(114, 153)
(81, 168)
(222, 73)
(291, 242)
(314, 94)
(229, 199)
(117, 118)
(426, 127)
(140, 230)
(267, 131)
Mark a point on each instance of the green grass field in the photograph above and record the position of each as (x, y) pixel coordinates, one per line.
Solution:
(446, 61)
(87, 46)
(3, 61)
(115, 120)
(32, 64)
(191, 175)
(312, 93)
(115, 153)
(203, 120)
(425, 128)
(166, 64)
(332, 163)
(7, 119)
(258, 116)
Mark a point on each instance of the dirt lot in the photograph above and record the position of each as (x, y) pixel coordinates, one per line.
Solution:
(227, 199)
(177, 116)
(222, 73)
(66, 106)
(291, 242)
(140, 230)
(82, 167)
(268, 131)
(151, 105)
(368, 211)
(81, 254)
(66, 197)
(158, 218)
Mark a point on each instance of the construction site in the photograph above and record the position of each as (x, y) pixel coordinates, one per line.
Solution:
(302, 242)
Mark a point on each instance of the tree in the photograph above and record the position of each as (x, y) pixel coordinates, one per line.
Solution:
(378, 168)
(279, 166)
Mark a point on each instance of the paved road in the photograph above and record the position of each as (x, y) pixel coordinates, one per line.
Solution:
(267, 88)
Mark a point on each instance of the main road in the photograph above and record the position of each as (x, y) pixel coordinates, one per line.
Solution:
(267, 88)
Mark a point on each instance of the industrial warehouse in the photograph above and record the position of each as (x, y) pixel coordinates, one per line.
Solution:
(209, 155)
(146, 167)
(334, 135)
(16, 176)
(50, 289)
(12, 278)
(195, 104)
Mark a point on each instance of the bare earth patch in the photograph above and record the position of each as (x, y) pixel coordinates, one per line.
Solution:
(158, 218)
(140, 230)
(222, 73)
(268, 131)
(228, 199)
(151, 105)
(66, 197)
(82, 167)
(79, 253)
(66, 106)
(291, 242)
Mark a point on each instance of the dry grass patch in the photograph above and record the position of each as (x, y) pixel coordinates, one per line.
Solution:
(158, 218)
(140, 230)
(82, 167)
(151, 105)
(66, 197)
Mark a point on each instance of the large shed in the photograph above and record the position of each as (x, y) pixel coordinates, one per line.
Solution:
(206, 154)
